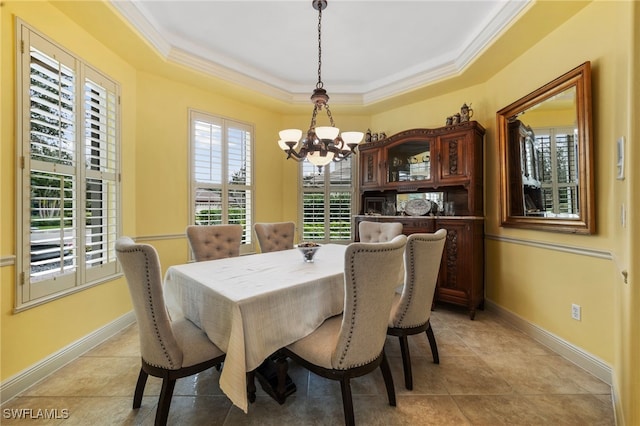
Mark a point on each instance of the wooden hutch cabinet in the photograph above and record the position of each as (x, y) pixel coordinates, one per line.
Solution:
(443, 164)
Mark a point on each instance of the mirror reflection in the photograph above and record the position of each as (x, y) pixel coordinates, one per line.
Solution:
(545, 144)
(544, 140)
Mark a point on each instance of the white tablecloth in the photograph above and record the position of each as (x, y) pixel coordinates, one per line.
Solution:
(251, 306)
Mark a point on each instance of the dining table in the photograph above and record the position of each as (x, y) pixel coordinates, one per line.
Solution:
(252, 305)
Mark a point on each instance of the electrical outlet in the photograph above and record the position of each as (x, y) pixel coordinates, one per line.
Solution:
(576, 312)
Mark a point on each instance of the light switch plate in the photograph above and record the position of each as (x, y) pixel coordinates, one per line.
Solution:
(620, 158)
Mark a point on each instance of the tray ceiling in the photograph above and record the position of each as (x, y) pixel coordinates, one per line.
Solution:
(371, 50)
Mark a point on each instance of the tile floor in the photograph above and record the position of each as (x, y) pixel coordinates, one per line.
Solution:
(489, 374)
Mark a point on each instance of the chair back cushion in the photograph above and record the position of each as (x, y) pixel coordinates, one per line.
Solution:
(422, 263)
(210, 242)
(370, 273)
(275, 236)
(378, 232)
(141, 266)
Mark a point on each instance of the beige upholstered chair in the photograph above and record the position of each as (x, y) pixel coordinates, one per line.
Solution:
(275, 236)
(378, 232)
(210, 242)
(352, 344)
(170, 349)
(411, 310)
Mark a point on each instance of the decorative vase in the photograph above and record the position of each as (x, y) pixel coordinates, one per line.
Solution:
(389, 208)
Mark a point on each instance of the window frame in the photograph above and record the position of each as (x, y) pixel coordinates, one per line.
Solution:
(93, 147)
(327, 189)
(248, 244)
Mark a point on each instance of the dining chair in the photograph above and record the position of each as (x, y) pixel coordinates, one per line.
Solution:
(352, 344)
(378, 232)
(411, 309)
(170, 349)
(275, 236)
(209, 242)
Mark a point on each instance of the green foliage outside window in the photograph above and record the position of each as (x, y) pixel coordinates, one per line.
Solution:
(214, 217)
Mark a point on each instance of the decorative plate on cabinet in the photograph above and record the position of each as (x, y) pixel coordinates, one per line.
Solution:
(418, 207)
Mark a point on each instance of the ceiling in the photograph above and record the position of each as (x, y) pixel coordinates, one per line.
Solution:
(371, 50)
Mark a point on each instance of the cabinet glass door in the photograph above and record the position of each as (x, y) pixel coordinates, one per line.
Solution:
(409, 161)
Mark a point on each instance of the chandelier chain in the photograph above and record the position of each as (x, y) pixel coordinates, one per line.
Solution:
(319, 84)
(326, 106)
(313, 117)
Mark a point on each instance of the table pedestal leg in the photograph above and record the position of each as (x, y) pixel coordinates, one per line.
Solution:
(273, 377)
(251, 386)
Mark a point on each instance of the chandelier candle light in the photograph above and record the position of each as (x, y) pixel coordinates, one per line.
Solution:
(322, 144)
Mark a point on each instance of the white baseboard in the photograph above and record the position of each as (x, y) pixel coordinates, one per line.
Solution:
(27, 378)
(583, 359)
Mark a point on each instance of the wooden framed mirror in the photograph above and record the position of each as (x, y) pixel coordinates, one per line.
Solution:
(546, 157)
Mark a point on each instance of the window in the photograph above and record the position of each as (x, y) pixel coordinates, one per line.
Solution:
(222, 173)
(68, 189)
(327, 201)
(558, 151)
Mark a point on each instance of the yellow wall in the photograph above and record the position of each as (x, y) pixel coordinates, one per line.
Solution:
(32, 335)
(536, 283)
(627, 327)
(550, 118)
(162, 146)
(540, 284)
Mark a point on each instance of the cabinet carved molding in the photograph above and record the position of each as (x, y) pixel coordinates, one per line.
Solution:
(451, 254)
(453, 157)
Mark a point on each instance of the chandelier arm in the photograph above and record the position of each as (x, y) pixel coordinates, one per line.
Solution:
(295, 156)
(298, 156)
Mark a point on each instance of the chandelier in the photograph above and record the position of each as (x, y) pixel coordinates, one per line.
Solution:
(322, 144)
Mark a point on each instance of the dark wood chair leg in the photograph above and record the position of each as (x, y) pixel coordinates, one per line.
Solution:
(406, 362)
(251, 386)
(137, 396)
(164, 403)
(433, 344)
(347, 402)
(388, 380)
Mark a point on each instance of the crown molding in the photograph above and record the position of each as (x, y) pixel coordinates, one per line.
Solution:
(227, 74)
(407, 80)
(499, 22)
(142, 25)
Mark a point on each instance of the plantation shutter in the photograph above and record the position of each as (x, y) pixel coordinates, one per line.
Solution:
(239, 180)
(327, 201)
(222, 183)
(101, 168)
(68, 186)
(50, 216)
(558, 149)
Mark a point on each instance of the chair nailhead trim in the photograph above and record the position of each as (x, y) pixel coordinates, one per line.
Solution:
(411, 279)
(153, 314)
(352, 265)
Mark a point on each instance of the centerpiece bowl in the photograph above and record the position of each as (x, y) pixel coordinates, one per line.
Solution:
(308, 250)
